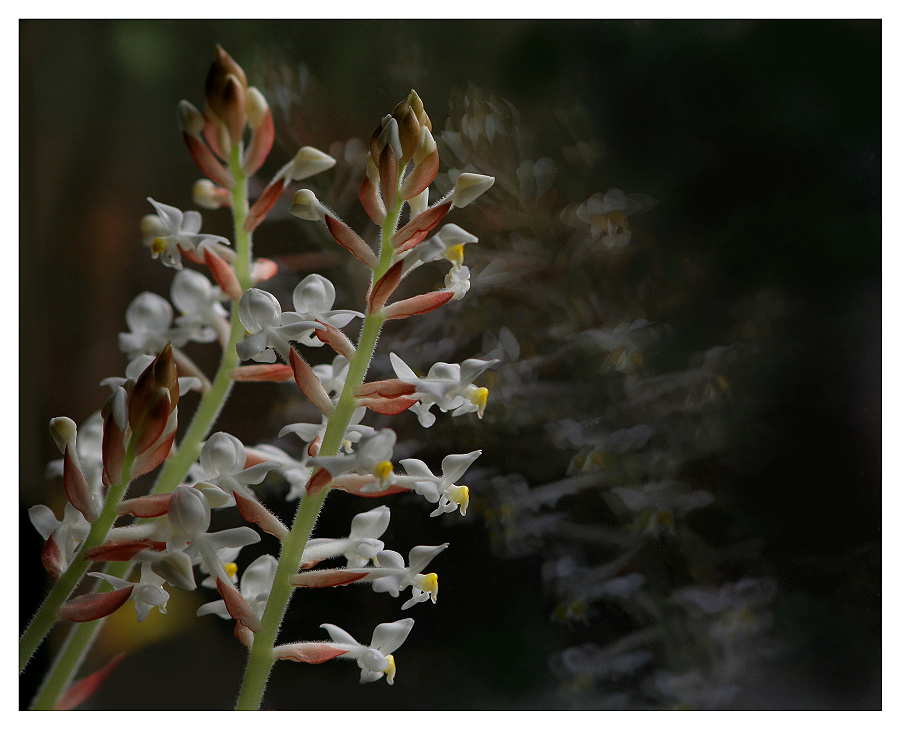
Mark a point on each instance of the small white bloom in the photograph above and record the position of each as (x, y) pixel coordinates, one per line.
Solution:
(260, 313)
(255, 586)
(372, 455)
(441, 490)
(313, 299)
(375, 660)
(170, 228)
(149, 318)
(148, 593)
(69, 534)
(360, 547)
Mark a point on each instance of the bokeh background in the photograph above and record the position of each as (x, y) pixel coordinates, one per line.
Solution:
(696, 413)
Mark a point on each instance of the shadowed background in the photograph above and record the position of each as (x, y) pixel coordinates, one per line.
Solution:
(762, 144)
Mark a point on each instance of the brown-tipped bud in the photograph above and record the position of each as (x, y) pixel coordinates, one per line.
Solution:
(234, 108)
(146, 406)
(222, 67)
(415, 103)
(409, 129)
(190, 119)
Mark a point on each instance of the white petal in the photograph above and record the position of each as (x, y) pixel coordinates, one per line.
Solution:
(388, 637)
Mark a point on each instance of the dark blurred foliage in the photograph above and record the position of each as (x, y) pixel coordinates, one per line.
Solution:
(750, 296)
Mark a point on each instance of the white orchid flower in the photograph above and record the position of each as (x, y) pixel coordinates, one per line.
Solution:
(360, 547)
(376, 659)
(441, 490)
(313, 299)
(255, 586)
(148, 593)
(261, 315)
(171, 229)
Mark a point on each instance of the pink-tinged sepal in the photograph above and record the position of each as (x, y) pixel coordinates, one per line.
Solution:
(336, 339)
(152, 458)
(52, 558)
(385, 388)
(318, 481)
(192, 256)
(82, 690)
(97, 605)
(387, 405)
(263, 270)
(328, 578)
(346, 237)
(421, 177)
(260, 145)
(387, 175)
(385, 286)
(415, 231)
(113, 448)
(223, 273)
(361, 485)
(307, 652)
(262, 373)
(371, 201)
(312, 450)
(421, 304)
(145, 507)
(237, 606)
(77, 490)
(256, 513)
(122, 551)
(265, 203)
(309, 383)
(208, 162)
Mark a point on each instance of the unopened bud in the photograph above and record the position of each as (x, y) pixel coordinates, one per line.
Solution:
(307, 206)
(208, 195)
(310, 161)
(468, 187)
(223, 67)
(190, 119)
(189, 512)
(63, 431)
(144, 408)
(257, 107)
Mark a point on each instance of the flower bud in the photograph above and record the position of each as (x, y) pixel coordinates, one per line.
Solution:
(63, 431)
(307, 206)
(190, 119)
(310, 161)
(468, 187)
(257, 107)
(149, 409)
(223, 69)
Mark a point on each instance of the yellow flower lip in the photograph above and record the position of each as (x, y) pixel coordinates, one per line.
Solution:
(383, 470)
(230, 569)
(479, 399)
(158, 246)
(391, 669)
(455, 255)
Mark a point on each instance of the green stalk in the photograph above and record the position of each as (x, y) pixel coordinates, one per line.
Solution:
(81, 636)
(262, 658)
(46, 616)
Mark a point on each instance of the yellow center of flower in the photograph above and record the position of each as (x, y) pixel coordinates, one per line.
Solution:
(230, 569)
(454, 254)
(383, 470)
(391, 669)
(158, 246)
(429, 583)
(479, 399)
(459, 495)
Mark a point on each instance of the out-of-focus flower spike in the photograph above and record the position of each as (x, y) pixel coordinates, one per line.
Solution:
(98, 605)
(384, 287)
(346, 237)
(421, 304)
(263, 270)
(468, 187)
(336, 339)
(82, 690)
(371, 201)
(262, 373)
(192, 125)
(259, 119)
(207, 194)
(237, 606)
(145, 507)
(309, 383)
(256, 513)
(223, 273)
(415, 231)
(264, 203)
(307, 652)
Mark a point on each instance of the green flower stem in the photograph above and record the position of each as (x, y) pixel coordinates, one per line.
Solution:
(81, 636)
(46, 616)
(262, 657)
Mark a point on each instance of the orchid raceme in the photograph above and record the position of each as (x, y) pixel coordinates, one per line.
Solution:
(143, 547)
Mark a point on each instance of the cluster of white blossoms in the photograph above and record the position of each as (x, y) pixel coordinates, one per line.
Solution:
(142, 547)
